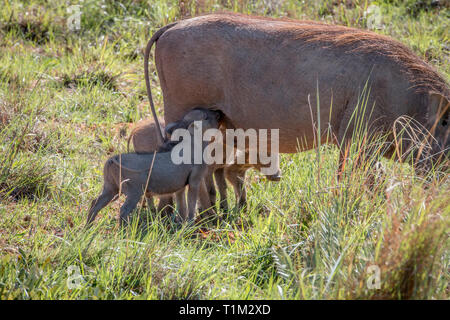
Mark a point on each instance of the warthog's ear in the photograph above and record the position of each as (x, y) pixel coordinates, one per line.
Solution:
(219, 115)
(438, 110)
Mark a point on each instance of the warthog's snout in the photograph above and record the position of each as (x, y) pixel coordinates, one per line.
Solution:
(274, 177)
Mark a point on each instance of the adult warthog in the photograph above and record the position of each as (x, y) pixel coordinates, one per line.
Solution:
(264, 73)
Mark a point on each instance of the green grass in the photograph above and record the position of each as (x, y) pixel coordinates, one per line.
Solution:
(68, 99)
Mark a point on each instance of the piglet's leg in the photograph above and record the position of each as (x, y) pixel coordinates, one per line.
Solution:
(165, 204)
(205, 200)
(128, 207)
(150, 202)
(181, 204)
(192, 199)
(219, 174)
(236, 176)
(210, 188)
(106, 197)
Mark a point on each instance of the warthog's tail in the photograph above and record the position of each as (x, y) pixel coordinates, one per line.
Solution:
(154, 38)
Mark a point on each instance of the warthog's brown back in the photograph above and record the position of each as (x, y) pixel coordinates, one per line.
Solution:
(267, 73)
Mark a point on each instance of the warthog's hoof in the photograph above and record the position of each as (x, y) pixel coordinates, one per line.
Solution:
(274, 177)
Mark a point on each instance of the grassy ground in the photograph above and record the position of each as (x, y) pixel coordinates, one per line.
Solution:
(68, 100)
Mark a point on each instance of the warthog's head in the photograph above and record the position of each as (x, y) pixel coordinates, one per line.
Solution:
(197, 114)
(209, 119)
(438, 125)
